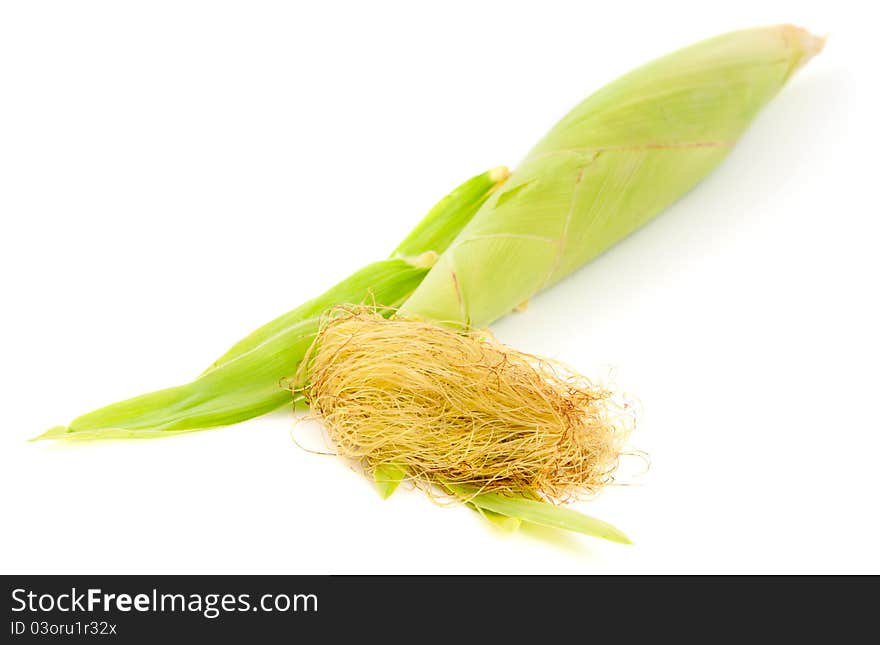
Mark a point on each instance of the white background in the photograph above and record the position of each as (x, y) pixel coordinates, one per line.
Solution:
(174, 174)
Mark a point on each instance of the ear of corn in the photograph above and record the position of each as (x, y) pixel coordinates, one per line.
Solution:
(610, 165)
(249, 379)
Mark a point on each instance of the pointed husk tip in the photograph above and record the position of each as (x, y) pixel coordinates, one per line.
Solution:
(808, 43)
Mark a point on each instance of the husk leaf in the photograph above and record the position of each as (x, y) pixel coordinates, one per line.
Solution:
(614, 162)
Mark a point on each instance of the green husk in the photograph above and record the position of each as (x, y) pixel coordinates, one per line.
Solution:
(251, 378)
(614, 162)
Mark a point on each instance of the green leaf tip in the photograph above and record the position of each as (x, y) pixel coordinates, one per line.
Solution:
(499, 175)
(388, 478)
(55, 432)
(503, 522)
(541, 513)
